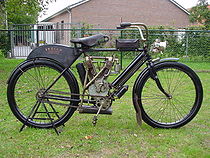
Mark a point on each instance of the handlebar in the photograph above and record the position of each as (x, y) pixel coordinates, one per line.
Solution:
(124, 25)
(157, 46)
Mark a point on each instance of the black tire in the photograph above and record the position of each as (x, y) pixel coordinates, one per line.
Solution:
(23, 90)
(181, 83)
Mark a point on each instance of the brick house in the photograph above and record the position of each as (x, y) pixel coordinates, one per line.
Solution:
(109, 13)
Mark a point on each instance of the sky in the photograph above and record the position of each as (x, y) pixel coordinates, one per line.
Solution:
(60, 4)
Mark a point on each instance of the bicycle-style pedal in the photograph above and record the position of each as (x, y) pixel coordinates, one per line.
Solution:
(94, 120)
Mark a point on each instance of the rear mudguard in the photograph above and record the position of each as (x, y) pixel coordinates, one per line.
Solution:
(137, 82)
(44, 60)
(65, 55)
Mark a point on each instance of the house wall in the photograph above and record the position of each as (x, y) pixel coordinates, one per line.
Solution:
(65, 16)
(109, 13)
(62, 37)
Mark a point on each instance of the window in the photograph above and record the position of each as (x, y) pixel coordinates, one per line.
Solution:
(40, 27)
(49, 27)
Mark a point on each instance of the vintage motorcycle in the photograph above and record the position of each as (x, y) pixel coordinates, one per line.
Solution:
(43, 92)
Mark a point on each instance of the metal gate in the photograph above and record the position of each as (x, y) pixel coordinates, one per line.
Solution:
(24, 38)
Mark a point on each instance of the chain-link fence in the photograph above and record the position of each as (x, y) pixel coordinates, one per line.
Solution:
(20, 40)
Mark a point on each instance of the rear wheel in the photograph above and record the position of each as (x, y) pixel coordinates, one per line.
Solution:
(26, 89)
(185, 89)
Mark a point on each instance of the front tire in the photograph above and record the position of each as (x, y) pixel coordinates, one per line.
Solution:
(181, 83)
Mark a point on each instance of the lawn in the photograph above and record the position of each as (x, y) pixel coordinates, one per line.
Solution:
(117, 135)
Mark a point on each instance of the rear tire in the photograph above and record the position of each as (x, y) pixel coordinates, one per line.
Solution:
(24, 88)
(181, 83)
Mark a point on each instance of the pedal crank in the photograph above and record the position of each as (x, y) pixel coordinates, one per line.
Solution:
(95, 118)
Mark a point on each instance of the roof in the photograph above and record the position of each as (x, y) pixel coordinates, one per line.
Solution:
(180, 7)
(65, 9)
(84, 1)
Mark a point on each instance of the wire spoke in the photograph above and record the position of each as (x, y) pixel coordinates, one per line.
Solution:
(169, 111)
(31, 83)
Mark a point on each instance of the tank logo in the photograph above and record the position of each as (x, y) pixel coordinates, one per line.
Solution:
(53, 50)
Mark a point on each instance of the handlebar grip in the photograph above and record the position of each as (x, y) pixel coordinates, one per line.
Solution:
(119, 27)
(125, 24)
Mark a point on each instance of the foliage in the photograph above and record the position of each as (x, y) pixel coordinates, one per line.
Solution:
(166, 33)
(4, 42)
(1, 53)
(201, 14)
(82, 32)
(2, 15)
(198, 43)
(22, 11)
(85, 30)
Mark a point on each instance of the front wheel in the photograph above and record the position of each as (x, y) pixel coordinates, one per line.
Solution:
(185, 91)
(27, 91)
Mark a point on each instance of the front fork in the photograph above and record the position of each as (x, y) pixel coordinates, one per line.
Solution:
(154, 76)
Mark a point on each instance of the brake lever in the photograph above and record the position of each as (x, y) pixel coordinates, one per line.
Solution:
(119, 27)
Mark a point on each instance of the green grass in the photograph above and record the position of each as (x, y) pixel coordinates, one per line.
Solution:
(114, 136)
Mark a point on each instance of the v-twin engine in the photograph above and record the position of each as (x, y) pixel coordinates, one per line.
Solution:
(94, 73)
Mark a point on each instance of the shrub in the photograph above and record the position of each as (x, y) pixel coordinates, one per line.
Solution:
(198, 42)
(4, 42)
(1, 53)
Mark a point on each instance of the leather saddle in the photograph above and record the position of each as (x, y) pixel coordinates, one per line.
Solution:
(91, 40)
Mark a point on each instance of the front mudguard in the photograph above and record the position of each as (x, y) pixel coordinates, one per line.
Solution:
(137, 82)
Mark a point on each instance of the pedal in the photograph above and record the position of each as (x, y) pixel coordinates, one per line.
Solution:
(94, 120)
(94, 110)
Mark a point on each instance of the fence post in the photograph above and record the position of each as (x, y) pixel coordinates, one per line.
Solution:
(37, 37)
(9, 43)
(187, 44)
(12, 43)
(121, 55)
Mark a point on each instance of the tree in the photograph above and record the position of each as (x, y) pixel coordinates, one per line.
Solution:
(22, 11)
(2, 13)
(201, 14)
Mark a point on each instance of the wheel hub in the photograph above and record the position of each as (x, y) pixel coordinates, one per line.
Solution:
(40, 94)
(169, 96)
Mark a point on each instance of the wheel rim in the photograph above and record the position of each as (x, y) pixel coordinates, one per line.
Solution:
(169, 111)
(30, 105)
